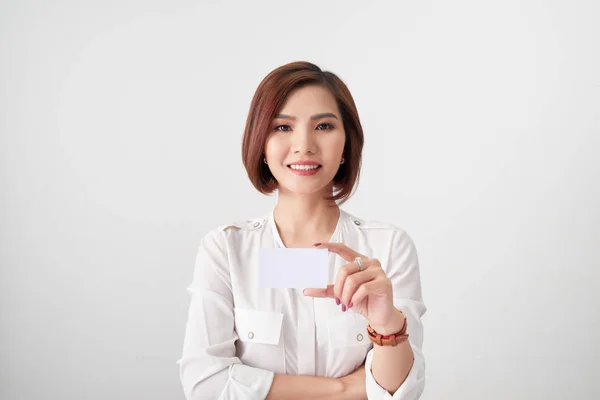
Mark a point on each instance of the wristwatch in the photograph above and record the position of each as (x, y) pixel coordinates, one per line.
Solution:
(388, 340)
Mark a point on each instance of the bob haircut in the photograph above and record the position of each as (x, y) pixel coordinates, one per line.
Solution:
(269, 98)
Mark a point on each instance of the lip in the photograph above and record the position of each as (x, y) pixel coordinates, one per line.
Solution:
(307, 172)
(303, 163)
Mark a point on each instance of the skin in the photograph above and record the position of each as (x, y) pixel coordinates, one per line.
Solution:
(301, 214)
(309, 127)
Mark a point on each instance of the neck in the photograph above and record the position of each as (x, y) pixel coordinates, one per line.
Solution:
(303, 220)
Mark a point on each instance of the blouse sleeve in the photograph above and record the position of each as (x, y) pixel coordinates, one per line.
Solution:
(403, 271)
(209, 368)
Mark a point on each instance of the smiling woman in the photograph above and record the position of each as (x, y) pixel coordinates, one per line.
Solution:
(298, 105)
(313, 135)
(359, 337)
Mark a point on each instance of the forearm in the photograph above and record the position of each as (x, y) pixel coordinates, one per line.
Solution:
(391, 364)
(305, 387)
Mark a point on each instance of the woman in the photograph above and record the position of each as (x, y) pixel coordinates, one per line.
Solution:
(361, 337)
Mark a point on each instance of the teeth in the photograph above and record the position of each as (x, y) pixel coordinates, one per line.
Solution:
(304, 167)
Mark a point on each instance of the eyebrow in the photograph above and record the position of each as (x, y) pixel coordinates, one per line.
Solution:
(316, 116)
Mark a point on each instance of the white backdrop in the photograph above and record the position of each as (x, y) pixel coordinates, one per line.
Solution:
(121, 125)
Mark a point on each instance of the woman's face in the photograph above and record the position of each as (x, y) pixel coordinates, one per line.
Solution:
(308, 127)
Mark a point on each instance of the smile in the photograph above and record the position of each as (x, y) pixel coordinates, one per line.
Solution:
(303, 167)
(304, 170)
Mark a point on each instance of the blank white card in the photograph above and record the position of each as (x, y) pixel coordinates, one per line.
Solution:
(293, 268)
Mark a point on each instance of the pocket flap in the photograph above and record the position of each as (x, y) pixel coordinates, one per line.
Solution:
(255, 326)
(348, 330)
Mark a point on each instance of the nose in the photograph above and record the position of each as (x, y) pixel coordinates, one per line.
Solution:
(303, 141)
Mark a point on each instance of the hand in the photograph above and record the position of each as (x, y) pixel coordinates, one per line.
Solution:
(354, 384)
(368, 291)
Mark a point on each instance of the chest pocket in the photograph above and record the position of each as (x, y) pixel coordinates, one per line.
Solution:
(261, 341)
(348, 343)
(255, 326)
(348, 330)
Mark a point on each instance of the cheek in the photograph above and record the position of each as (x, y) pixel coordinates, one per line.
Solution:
(335, 144)
(275, 147)
(271, 143)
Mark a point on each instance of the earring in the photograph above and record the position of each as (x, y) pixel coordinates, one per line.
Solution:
(342, 160)
(265, 160)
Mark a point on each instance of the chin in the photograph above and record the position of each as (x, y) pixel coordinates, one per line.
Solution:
(305, 189)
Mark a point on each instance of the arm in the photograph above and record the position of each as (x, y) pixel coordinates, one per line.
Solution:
(399, 372)
(350, 387)
(209, 368)
(391, 364)
(301, 387)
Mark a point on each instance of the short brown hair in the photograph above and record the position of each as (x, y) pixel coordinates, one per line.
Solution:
(270, 96)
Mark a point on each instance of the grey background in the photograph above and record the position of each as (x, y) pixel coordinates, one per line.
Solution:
(121, 125)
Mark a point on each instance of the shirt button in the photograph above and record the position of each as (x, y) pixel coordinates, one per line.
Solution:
(250, 335)
(357, 222)
(359, 337)
(256, 224)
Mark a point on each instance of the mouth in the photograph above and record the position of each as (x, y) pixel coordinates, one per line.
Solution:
(312, 167)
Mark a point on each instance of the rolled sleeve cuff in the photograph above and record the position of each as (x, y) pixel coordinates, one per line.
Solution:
(249, 382)
(411, 388)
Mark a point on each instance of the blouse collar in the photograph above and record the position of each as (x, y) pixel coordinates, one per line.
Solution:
(334, 237)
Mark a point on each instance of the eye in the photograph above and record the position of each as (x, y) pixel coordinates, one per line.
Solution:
(281, 126)
(328, 126)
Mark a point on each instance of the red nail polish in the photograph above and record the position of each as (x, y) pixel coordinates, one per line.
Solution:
(317, 244)
(350, 305)
(343, 307)
(337, 301)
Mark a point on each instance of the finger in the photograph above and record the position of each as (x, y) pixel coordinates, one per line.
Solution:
(343, 273)
(319, 292)
(374, 286)
(362, 292)
(353, 282)
(341, 249)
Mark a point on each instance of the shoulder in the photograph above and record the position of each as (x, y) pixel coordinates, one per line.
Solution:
(244, 225)
(381, 229)
(218, 240)
(235, 228)
(374, 225)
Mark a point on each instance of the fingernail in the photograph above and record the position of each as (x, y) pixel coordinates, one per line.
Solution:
(343, 307)
(304, 292)
(317, 244)
(337, 301)
(350, 305)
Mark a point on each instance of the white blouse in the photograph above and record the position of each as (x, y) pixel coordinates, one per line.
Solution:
(238, 336)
